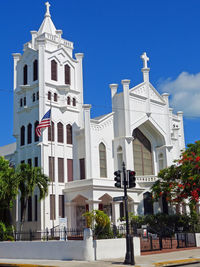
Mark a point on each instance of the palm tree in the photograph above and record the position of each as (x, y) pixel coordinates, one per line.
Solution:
(8, 190)
(30, 178)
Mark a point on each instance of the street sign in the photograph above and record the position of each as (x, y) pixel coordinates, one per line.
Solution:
(118, 198)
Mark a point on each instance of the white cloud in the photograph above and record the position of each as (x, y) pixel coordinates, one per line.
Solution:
(185, 93)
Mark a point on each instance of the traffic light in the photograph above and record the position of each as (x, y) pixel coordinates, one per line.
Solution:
(117, 178)
(131, 179)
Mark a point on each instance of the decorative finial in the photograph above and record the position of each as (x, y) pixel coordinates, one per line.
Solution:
(145, 59)
(47, 11)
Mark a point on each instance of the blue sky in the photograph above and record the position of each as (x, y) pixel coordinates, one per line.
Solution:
(113, 34)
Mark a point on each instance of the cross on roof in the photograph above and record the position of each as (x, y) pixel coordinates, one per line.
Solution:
(145, 59)
(47, 11)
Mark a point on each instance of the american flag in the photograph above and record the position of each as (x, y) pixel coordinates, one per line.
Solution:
(45, 122)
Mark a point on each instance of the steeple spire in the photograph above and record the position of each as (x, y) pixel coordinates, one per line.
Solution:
(47, 25)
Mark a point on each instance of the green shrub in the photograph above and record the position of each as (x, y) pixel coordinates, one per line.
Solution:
(100, 223)
(2, 231)
(165, 224)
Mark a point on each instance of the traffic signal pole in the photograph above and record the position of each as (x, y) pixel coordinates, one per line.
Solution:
(129, 258)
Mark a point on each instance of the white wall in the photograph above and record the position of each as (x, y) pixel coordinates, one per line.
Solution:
(197, 236)
(52, 250)
(114, 248)
(88, 249)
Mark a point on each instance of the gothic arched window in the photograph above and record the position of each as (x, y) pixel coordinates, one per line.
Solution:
(49, 95)
(74, 102)
(25, 74)
(68, 100)
(51, 132)
(54, 70)
(35, 70)
(35, 135)
(161, 161)
(69, 134)
(29, 134)
(142, 154)
(102, 160)
(67, 74)
(22, 136)
(55, 97)
(33, 97)
(60, 132)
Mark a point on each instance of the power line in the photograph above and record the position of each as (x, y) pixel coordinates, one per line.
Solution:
(117, 108)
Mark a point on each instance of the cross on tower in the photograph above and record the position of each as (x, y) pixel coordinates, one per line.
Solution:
(47, 11)
(145, 59)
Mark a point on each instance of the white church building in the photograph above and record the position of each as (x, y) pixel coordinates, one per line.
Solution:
(80, 153)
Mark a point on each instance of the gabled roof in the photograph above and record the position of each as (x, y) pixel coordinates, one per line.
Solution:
(102, 118)
(47, 25)
(142, 91)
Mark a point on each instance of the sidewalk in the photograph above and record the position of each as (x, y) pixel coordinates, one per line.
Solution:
(157, 260)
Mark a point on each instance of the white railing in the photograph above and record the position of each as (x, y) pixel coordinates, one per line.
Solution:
(146, 179)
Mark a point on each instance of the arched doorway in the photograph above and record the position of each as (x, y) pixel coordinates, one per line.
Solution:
(142, 154)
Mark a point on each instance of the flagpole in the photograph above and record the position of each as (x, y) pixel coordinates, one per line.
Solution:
(52, 169)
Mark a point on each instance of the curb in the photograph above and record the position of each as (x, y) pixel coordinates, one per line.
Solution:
(23, 265)
(177, 262)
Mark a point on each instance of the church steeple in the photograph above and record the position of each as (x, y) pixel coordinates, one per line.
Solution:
(47, 25)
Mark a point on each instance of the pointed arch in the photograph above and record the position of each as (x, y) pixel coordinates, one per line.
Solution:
(69, 134)
(36, 138)
(51, 132)
(142, 154)
(22, 136)
(25, 74)
(68, 100)
(35, 70)
(54, 70)
(29, 133)
(74, 101)
(60, 132)
(67, 74)
(102, 160)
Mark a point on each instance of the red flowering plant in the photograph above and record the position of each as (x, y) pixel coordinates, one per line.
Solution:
(181, 181)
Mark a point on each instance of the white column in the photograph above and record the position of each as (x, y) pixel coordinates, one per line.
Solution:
(88, 158)
(16, 57)
(70, 211)
(182, 138)
(145, 71)
(135, 208)
(41, 79)
(79, 85)
(125, 84)
(116, 213)
(113, 88)
(128, 153)
(41, 72)
(167, 119)
(34, 35)
(128, 150)
(93, 204)
(59, 33)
